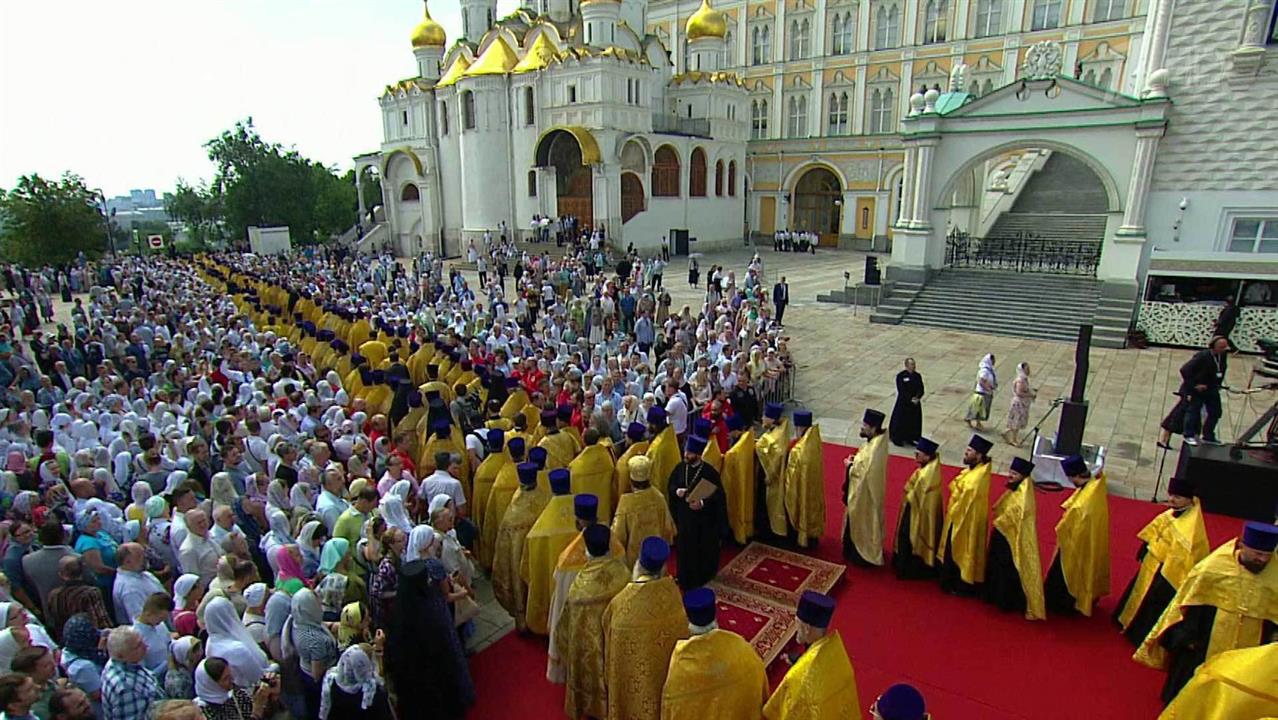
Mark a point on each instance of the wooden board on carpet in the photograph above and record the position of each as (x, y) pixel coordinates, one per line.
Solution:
(778, 575)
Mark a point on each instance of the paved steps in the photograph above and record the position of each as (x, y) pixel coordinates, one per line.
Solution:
(1063, 185)
(1050, 226)
(1044, 307)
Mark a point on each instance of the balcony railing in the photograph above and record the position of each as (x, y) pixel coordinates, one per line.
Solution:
(675, 125)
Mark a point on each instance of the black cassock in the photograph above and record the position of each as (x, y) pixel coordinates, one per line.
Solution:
(1187, 642)
(1056, 592)
(906, 426)
(700, 531)
(905, 563)
(1157, 597)
(1002, 581)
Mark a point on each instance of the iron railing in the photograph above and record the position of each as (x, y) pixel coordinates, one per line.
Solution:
(1023, 252)
(675, 125)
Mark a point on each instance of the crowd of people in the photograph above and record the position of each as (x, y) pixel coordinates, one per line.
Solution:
(248, 487)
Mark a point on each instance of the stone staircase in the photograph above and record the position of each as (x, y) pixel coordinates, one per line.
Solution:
(1042, 307)
(1050, 226)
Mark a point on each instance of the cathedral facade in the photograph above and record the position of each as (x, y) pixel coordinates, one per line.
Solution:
(564, 110)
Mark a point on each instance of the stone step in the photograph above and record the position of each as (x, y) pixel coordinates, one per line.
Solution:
(1035, 333)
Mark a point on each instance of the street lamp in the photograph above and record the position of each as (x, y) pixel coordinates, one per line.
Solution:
(106, 221)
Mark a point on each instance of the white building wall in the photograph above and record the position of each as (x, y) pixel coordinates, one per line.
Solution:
(486, 152)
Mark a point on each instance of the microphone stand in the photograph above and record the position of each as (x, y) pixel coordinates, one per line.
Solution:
(1035, 430)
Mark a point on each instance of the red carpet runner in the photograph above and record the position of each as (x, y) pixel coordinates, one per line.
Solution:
(970, 661)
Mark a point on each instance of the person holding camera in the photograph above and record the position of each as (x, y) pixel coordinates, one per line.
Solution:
(217, 695)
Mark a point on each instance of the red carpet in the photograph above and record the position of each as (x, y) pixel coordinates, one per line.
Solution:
(970, 661)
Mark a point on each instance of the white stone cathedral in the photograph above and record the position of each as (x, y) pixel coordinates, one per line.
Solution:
(562, 110)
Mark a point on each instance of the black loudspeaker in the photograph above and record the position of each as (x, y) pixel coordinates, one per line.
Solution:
(1069, 434)
(873, 276)
(678, 242)
(1246, 487)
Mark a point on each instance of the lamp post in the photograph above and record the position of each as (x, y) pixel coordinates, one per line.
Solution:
(106, 221)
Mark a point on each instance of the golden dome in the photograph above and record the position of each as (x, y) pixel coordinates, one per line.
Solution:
(706, 22)
(429, 33)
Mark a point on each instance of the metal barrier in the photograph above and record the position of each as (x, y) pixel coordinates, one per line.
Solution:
(783, 388)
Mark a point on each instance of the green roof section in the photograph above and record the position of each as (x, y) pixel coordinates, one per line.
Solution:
(951, 101)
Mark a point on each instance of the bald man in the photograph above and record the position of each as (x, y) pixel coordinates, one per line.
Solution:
(133, 584)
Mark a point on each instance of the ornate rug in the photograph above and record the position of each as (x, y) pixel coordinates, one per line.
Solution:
(758, 592)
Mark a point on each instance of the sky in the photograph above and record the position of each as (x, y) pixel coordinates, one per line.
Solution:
(126, 93)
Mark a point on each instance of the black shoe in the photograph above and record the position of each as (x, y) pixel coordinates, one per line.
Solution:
(1163, 445)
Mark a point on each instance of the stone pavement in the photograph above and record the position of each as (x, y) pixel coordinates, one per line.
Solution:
(846, 364)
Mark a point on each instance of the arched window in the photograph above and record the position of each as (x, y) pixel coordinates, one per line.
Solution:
(988, 87)
(836, 30)
(882, 111)
(665, 172)
(732, 178)
(887, 26)
(532, 183)
(530, 111)
(410, 193)
(1046, 15)
(468, 110)
(697, 173)
(1109, 10)
(794, 39)
(718, 178)
(989, 18)
(443, 117)
(758, 119)
(1107, 78)
(798, 119)
(1089, 77)
(729, 50)
(935, 16)
(974, 88)
(843, 29)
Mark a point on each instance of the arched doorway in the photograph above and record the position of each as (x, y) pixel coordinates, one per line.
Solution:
(817, 199)
(631, 196)
(574, 191)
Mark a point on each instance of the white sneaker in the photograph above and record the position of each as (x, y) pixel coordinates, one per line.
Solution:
(1191, 441)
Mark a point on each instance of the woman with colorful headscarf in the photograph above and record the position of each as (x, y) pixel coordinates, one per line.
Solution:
(96, 548)
(352, 689)
(354, 626)
(139, 493)
(188, 591)
(83, 658)
(288, 572)
(338, 586)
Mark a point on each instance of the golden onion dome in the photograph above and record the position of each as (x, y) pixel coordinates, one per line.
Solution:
(429, 33)
(706, 22)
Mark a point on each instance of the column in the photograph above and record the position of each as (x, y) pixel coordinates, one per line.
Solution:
(816, 46)
(858, 102)
(863, 27)
(907, 187)
(959, 23)
(909, 22)
(1133, 226)
(779, 35)
(1156, 43)
(923, 186)
(359, 194)
(816, 119)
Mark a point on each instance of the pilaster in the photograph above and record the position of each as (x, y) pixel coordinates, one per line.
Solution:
(1133, 227)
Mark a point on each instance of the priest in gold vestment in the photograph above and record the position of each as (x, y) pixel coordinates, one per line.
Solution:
(592, 472)
(805, 482)
(547, 538)
(1080, 571)
(642, 512)
(740, 470)
(570, 562)
(821, 684)
(499, 496)
(1013, 570)
(1171, 545)
(1234, 684)
(508, 548)
(1229, 601)
(560, 445)
(714, 673)
(664, 451)
(485, 477)
(641, 626)
(864, 483)
(771, 448)
(918, 529)
(579, 632)
(965, 532)
(636, 445)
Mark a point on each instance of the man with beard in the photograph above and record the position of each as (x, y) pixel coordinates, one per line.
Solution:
(1171, 544)
(918, 530)
(1080, 571)
(771, 448)
(805, 483)
(863, 487)
(740, 471)
(1012, 570)
(963, 536)
(699, 522)
(1229, 601)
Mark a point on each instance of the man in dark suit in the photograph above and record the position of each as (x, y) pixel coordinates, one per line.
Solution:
(1201, 379)
(781, 298)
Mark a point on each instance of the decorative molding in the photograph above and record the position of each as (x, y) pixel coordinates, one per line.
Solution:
(1043, 61)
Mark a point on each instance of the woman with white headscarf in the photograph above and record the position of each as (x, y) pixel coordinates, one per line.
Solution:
(277, 496)
(302, 498)
(175, 479)
(188, 591)
(11, 641)
(310, 545)
(307, 641)
(277, 536)
(184, 654)
(218, 696)
(978, 406)
(353, 690)
(392, 508)
(421, 543)
(230, 640)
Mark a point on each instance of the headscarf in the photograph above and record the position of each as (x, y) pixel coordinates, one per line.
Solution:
(25, 502)
(223, 490)
(334, 550)
(288, 568)
(352, 620)
(156, 507)
(353, 673)
(277, 495)
(180, 650)
(80, 636)
(393, 511)
(279, 531)
(302, 496)
(306, 611)
(986, 371)
(132, 529)
(8, 649)
(231, 641)
(207, 691)
(255, 594)
(182, 587)
(141, 492)
(176, 478)
(419, 539)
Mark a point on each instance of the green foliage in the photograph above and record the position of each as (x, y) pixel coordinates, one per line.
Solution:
(371, 184)
(199, 209)
(264, 184)
(50, 222)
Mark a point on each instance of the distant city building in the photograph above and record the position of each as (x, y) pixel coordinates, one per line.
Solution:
(140, 206)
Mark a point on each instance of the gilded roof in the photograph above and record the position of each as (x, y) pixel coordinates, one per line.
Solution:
(498, 59)
(454, 72)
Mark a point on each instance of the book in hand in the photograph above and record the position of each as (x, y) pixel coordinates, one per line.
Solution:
(702, 490)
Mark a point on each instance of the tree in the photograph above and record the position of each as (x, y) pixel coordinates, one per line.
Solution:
(198, 209)
(371, 185)
(51, 222)
(264, 184)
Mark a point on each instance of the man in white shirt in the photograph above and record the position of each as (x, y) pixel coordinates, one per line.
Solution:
(331, 505)
(444, 482)
(223, 524)
(676, 408)
(133, 584)
(199, 553)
